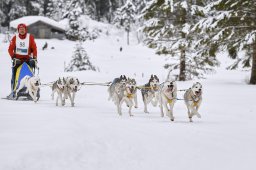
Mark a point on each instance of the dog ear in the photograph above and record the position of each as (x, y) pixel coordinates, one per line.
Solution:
(121, 77)
(64, 80)
(152, 76)
(125, 77)
(78, 81)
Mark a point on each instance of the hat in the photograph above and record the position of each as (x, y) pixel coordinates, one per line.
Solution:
(22, 26)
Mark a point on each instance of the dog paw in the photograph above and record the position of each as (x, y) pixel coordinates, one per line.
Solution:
(198, 115)
(146, 111)
(136, 107)
(172, 119)
(72, 104)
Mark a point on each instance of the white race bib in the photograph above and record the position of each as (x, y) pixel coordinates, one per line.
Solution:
(22, 45)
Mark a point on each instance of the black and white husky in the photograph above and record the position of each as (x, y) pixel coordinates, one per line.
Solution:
(59, 86)
(127, 94)
(32, 87)
(116, 85)
(168, 98)
(72, 86)
(150, 92)
(193, 100)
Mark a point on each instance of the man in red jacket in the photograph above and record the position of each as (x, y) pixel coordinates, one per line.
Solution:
(22, 49)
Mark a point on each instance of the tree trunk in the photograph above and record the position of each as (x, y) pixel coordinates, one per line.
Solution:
(182, 75)
(253, 72)
(128, 37)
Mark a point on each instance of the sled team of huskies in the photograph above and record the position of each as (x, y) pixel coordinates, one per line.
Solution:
(124, 90)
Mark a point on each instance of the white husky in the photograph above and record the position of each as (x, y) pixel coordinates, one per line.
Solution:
(32, 84)
(72, 86)
(168, 95)
(193, 100)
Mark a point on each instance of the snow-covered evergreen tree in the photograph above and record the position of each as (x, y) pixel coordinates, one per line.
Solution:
(17, 11)
(73, 12)
(80, 60)
(126, 17)
(231, 26)
(33, 7)
(54, 9)
(167, 30)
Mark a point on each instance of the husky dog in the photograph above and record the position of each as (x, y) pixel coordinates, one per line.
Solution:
(72, 86)
(127, 94)
(59, 86)
(193, 99)
(168, 96)
(116, 85)
(32, 84)
(150, 92)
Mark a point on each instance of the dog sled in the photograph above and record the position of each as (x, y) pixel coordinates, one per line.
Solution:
(22, 71)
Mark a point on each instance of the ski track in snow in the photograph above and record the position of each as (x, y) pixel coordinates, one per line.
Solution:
(92, 136)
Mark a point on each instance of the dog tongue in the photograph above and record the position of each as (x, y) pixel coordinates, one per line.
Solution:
(168, 90)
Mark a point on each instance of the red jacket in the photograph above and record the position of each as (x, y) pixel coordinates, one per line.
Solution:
(32, 48)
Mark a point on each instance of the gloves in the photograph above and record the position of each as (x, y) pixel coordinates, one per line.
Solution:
(16, 61)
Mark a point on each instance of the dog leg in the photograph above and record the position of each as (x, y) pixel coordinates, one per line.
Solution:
(154, 101)
(53, 91)
(130, 103)
(197, 108)
(171, 111)
(145, 106)
(190, 113)
(73, 99)
(166, 109)
(119, 104)
(62, 99)
(136, 101)
(161, 107)
(110, 95)
(22, 84)
(34, 96)
(194, 112)
(69, 96)
(57, 99)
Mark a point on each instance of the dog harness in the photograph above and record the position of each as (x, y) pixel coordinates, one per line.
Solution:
(168, 100)
(195, 99)
(129, 95)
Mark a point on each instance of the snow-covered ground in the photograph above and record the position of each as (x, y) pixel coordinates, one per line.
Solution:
(92, 136)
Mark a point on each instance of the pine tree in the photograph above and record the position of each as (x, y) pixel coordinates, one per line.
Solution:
(53, 9)
(17, 11)
(80, 60)
(73, 13)
(126, 17)
(167, 31)
(49, 8)
(12, 9)
(231, 26)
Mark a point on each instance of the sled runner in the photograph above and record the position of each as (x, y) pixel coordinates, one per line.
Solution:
(22, 71)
